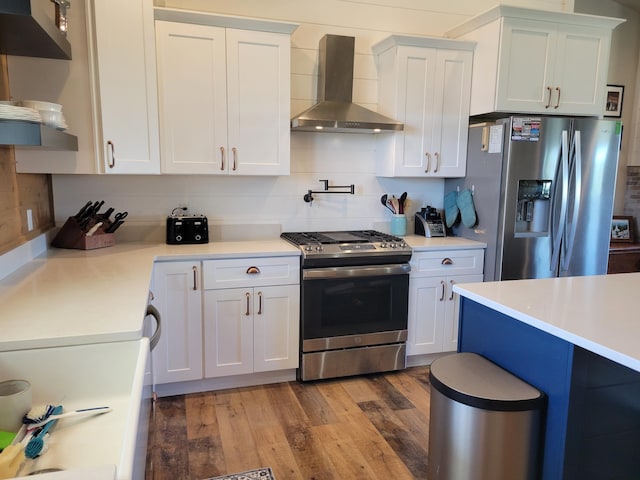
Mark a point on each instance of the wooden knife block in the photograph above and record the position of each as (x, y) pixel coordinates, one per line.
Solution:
(72, 236)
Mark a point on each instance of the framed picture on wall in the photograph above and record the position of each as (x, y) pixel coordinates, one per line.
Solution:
(622, 230)
(613, 99)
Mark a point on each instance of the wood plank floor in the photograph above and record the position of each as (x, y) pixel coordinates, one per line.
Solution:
(368, 427)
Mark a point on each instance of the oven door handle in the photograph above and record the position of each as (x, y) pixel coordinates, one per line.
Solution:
(357, 271)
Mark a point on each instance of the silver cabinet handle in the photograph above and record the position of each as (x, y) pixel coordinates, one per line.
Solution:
(247, 313)
(549, 100)
(155, 338)
(253, 270)
(235, 158)
(259, 303)
(444, 286)
(195, 277)
(558, 102)
(428, 155)
(111, 159)
(452, 283)
(446, 261)
(437, 155)
(221, 158)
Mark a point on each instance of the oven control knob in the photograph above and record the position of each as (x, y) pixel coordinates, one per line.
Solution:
(392, 245)
(319, 248)
(308, 248)
(383, 245)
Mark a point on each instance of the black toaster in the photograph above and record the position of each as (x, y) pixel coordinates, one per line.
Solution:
(188, 229)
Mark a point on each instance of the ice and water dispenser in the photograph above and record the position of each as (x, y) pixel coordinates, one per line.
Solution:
(534, 208)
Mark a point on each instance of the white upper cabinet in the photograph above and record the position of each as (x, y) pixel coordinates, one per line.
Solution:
(424, 83)
(224, 95)
(124, 94)
(530, 61)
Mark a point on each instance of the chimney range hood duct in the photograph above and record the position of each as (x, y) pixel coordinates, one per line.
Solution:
(335, 112)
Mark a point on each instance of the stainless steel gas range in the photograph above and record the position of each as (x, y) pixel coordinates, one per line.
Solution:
(354, 302)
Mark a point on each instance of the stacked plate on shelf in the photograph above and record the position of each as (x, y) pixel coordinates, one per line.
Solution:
(50, 113)
(34, 111)
(13, 112)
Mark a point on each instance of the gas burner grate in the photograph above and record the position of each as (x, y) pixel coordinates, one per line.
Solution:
(334, 237)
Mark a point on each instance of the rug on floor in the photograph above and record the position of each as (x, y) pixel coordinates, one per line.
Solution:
(258, 474)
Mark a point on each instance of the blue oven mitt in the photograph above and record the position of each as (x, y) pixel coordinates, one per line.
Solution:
(451, 208)
(467, 208)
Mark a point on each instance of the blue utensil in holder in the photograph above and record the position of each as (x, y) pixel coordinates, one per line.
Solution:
(36, 444)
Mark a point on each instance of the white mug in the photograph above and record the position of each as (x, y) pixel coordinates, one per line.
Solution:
(15, 401)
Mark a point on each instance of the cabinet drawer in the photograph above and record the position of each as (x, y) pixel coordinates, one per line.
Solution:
(447, 262)
(250, 272)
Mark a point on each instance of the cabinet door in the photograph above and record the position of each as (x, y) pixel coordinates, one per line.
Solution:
(581, 70)
(450, 319)
(228, 332)
(526, 71)
(123, 70)
(427, 302)
(258, 96)
(276, 327)
(178, 354)
(450, 118)
(192, 97)
(417, 72)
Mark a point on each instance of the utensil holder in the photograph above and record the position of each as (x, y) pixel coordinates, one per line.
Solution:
(72, 236)
(398, 225)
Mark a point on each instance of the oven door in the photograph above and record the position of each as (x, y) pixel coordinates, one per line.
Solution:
(345, 307)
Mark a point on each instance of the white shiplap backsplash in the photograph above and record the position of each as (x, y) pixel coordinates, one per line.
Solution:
(274, 202)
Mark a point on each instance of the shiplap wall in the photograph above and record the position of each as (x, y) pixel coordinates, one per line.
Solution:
(342, 158)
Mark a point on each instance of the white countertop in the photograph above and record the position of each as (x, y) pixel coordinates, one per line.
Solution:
(421, 244)
(74, 297)
(597, 313)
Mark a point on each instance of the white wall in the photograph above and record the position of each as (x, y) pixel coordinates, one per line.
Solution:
(343, 159)
(623, 69)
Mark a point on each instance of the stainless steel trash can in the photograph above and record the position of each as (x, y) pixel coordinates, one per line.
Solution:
(484, 424)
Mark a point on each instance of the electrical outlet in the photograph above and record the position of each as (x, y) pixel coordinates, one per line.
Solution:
(29, 219)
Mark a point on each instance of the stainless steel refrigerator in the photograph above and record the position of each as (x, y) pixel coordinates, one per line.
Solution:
(543, 189)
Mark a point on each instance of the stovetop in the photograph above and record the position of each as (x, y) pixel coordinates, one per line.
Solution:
(354, 247)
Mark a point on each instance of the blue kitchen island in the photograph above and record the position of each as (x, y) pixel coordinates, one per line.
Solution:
(578, 340)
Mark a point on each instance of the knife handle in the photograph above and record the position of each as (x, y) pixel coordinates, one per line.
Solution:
(114, 226)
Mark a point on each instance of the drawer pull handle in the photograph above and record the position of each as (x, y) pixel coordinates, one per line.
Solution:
(446, 261)
(235, 158)
(259, 303)
(558, 102)
(444, 286)
(428, 155)
(452, 284)
(247, 313)
(253, 270)
(221, 158)
(195, 277)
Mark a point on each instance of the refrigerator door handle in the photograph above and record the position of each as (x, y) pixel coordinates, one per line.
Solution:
(557, 237)
(573, 225)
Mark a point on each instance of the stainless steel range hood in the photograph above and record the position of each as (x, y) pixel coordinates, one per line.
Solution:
(335, 112)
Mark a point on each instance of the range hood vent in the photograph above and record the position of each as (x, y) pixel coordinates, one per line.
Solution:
(335, 111)
(27, 30)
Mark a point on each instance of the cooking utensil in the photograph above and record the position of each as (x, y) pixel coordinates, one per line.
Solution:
(80, 213)
(114, 226)
(384, 200)
(120, 216)
(402, 201)
(83, 412)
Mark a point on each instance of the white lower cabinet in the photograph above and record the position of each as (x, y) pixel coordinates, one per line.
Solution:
(433, 315)
(225, 317)
(178, 297)
(252, 328)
